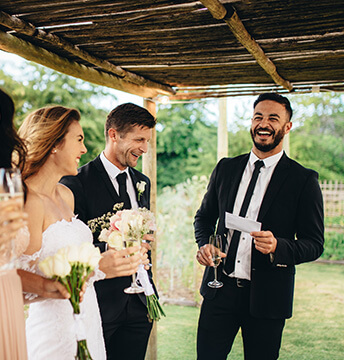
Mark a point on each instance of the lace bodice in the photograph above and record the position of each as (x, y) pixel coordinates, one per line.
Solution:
(51, 329)
(16, 248)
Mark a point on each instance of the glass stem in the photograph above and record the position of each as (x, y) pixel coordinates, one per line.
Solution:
(215, 273)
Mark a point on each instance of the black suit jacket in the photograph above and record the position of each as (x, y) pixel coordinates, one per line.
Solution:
(292, 209)
(94, 195)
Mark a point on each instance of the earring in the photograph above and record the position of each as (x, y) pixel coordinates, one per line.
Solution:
(54, 151)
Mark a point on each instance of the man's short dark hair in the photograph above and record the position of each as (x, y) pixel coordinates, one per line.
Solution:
(275, 97)
(123, 117)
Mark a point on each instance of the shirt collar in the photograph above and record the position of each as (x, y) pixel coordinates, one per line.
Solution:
(269, 161)
(110, 168)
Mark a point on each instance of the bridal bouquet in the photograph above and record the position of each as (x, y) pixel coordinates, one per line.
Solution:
(71, 266)
(130, 224)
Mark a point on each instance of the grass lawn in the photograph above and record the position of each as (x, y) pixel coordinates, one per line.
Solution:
(315, 332)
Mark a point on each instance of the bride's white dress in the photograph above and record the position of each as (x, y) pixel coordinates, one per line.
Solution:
(50, 327)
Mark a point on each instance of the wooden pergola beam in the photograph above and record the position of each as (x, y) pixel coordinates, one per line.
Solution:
(44, 57)
(238, 29)
(29, 29)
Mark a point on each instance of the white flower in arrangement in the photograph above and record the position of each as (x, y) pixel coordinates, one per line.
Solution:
(88, 254)
(115, 240)
(104, 234)
(125, 225)
(61, 266)
(141, 186)
(46, 266)
(72, 253)
(71, 266)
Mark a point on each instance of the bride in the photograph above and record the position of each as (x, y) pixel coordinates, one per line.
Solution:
(55, 143)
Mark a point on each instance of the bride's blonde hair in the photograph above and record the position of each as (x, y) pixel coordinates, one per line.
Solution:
(41, 131)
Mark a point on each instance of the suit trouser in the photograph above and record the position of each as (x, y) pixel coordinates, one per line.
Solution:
(127, 337)
(221, 318)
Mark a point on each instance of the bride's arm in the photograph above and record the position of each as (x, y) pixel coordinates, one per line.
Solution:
(44, 288)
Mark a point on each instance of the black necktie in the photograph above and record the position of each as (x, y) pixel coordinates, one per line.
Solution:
(233, 248)
(122, 182)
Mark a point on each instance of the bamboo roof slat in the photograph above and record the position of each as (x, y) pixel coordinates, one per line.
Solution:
(160, 46)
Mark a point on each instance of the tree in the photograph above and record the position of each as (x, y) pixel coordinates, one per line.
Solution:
(186, 142)
(317, 141)
(42, 86)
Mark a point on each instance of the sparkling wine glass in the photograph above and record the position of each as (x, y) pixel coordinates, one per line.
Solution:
(134, 287)
(10, 188)
(215, 248)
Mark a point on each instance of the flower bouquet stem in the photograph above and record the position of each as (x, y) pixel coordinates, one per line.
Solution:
(154, 308)
(83, 353)
(74, 283)
(71, 266)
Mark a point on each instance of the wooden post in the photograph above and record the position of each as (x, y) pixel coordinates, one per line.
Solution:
(222, 131)
(149, 169)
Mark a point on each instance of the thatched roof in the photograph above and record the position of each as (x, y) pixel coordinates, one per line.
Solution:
(186, 49)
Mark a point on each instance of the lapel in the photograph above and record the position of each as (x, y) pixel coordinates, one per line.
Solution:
(234, 182)
(107, 181)
(135, 181)
(277, 180)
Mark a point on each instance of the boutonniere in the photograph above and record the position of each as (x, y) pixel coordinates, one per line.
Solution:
(140, 186)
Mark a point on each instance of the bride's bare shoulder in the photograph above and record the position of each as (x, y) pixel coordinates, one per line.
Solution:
(34, 202)
(66, 194)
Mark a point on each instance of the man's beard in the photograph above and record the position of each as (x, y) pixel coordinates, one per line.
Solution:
(277, 138)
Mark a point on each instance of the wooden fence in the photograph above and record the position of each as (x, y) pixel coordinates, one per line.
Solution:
(333, 193)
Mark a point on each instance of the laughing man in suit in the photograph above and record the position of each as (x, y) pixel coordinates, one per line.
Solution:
(258, 271)
(96, 189)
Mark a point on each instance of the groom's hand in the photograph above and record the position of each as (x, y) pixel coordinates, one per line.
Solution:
(147, 239)
(204, 257)
(119, 263)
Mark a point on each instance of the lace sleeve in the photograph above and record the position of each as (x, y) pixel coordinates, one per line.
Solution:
(28, 263)
(98, 275)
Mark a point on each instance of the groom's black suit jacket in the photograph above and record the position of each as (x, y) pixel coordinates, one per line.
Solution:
(94, 195)
(292, 209)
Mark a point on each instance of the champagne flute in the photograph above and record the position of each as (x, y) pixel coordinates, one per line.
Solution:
(134, 287)
(215, 248)
(11, 187)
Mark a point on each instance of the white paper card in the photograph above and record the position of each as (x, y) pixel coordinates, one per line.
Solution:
(240, 223)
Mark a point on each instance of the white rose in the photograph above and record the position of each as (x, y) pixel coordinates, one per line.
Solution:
(46, 266)
(85, 252)
(141, 186)
(104, 234)
(115, 240)
(61, 266)
(72, 253)
(94, 259)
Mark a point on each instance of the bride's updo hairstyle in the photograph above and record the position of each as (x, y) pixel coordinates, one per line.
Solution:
(42, 130)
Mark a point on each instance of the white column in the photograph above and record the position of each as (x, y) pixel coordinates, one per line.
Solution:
(149, 169)
(222, 130)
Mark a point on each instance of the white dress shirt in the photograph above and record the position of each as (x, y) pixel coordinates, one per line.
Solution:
(242, 269)
(112, 170)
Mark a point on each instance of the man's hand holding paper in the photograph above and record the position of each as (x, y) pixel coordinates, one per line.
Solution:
(264, 241)
(235, 222)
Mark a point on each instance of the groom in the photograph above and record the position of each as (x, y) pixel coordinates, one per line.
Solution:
(109, 179)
